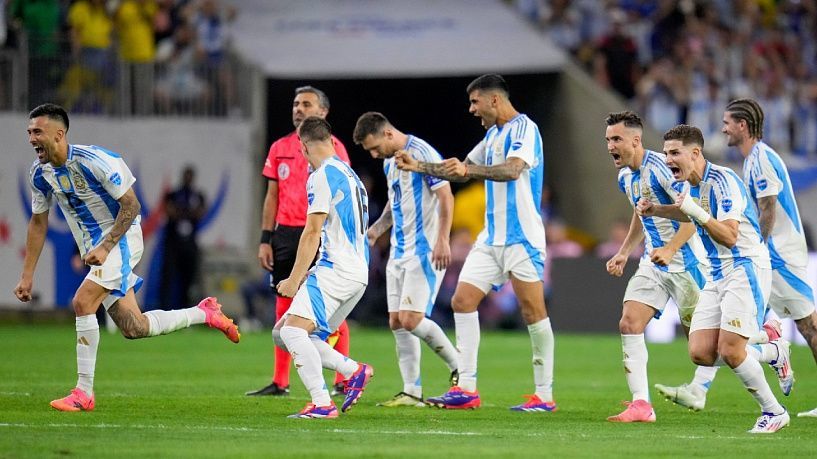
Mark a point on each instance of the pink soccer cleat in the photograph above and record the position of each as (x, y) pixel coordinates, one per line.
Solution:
(636, 411)
(77, 400)
(312, 411)
(216, 319)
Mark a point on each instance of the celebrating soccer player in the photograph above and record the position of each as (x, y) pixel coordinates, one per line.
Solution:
(512, 244)
(93, 187)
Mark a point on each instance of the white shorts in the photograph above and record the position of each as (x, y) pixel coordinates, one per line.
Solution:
(791, 295)
(653, 287)
(116, 275)
(735, 303)
(326, 299)
(488, 266)
(412, 284)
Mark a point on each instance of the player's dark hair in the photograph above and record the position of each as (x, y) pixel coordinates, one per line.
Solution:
(323, 99)
(748, 110)
(489, 82)
(52, 111)
(315, 128)
(686, 134)
(369, 123)
(630, 119)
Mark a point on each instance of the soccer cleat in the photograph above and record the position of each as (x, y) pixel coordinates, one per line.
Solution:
(356, 384)
(636, 411)
(808, 414)
(688, 395)
(773, 329)
(456, 399)
(403, 399)
(272, 389)
(338, 389)
(311, 411)
(782, 365)
(454, 379)
(535, 403)
(77, 400)
(214, 318)
(770, 423)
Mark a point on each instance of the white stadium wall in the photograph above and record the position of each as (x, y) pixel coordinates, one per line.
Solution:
(156, 151)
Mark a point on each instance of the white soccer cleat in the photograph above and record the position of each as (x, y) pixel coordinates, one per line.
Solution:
(808, 414)
(782, 365)
(770, 423)
(688, 395)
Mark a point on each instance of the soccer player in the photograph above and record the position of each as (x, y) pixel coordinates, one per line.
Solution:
(770, 188)
(283, 219)
(419, 212)
(512, 244)
(669, 267)
(93, 187)
(733, 302)
(322, 297)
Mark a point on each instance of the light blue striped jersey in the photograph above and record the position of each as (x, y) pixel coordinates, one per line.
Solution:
(766, 175)
(87, 188)
(721, 193)
(653, 181)
(512, 213)
(334, 189)
(414, 205)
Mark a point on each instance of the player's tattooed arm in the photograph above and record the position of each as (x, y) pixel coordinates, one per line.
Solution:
(505, 172)
(383, 223)
(767, 206)
(452, 169)
(129, 208)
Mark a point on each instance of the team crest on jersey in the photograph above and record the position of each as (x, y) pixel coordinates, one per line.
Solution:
(636, 190)
(703, 202)
(516, 146)
(726, 205)
(79, 180)
(115, 178)
(65, 183)
(310, 197)
(283, 171)
(762, 184)
(497, 146)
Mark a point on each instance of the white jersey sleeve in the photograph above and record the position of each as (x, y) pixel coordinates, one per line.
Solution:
(523, 141)
(318, 194)
(477, 154)
(729, 201)
(764, 179)
(41, 191)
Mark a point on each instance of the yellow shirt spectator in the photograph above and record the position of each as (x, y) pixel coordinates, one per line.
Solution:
(134, 23)
(469, 209)
(91, 24)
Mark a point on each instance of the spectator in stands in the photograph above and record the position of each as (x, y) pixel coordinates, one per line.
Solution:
(39, 22)
(616, 61)
(469, 209)
(137, 49)
(213, 36)
(178, 86)
(185, 207)
(88, 83)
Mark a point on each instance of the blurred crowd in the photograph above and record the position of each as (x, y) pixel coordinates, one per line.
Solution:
(681, 61)
(152, 56)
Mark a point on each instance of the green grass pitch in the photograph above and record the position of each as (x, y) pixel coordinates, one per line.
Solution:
(182, 396)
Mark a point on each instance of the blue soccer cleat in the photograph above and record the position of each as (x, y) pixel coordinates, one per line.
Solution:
(311, 411)
(535, 403)
(356, 384)
(456, 399)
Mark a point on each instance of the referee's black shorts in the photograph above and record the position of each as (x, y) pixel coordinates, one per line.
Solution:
(284, 249)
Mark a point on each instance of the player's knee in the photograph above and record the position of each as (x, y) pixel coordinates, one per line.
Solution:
(732, 353)
(463, 303)
(276, 338)
(410, 321)
(394, 322)
(629, 326)
(82, 307)
(704, 357)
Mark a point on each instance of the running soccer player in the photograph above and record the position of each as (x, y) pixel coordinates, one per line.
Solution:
(93, 187)
(669, 266)
(772, 195)
(322, 297)
(419, 212)
(512, 243)
(733, 302)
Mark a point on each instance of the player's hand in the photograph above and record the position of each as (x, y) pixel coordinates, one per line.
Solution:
(645, 208)
(405, 162)
(441, 255)
(97, 256)
(372, 237)
(453, 167)
(288, 287)
(265, 256)
(23, 289)
(615, 265)
(662, 256)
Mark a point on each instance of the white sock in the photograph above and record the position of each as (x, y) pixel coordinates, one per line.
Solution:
(541, 341)
(307, 361)
(332, 359)
(764, 353)
(164, 322)
(87, 343)
(467, 331)
(635, 365)
(751, 375)
(704, 377)
(428, 331)
(408, 359)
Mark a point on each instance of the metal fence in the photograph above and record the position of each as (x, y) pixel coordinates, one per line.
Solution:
(98, 82)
